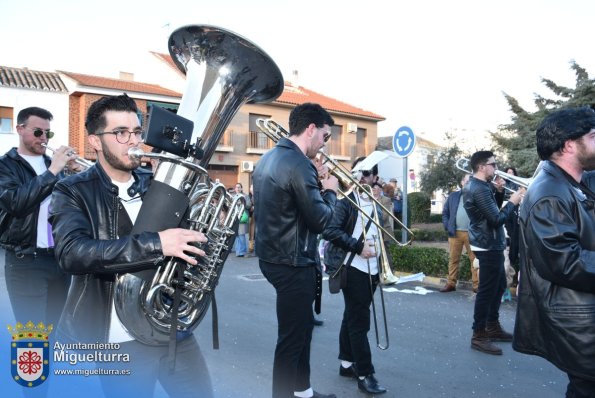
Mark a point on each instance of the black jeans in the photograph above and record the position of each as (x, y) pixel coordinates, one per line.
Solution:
(37, 288)
(492, 284)
(295, 288)
(580, 388)
(148, 364)
(353, 337)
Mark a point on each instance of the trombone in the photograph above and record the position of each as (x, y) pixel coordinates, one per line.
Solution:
(275, 132)
(380, 257)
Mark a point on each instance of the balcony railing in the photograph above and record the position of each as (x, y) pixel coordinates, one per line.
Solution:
(226, 142)
(258, 140)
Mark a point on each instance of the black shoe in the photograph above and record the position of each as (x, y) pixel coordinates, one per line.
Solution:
(348, 372)
(319, 395)
(370, 385)
(318, 322)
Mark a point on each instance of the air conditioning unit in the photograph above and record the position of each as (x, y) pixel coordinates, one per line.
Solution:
(247, 166)
(352, 128)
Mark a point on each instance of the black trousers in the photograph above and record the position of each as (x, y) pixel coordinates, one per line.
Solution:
(149, 364)
(296, 289)
(353, 337)
(580, 388)
(492, 284)
(37, 288)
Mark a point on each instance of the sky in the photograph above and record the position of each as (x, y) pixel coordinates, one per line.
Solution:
(434, 66)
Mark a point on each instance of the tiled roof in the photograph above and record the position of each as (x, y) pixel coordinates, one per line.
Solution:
(25, 78)
(117, 84)
(298, 95)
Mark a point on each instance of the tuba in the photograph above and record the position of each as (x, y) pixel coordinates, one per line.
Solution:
(223, 71)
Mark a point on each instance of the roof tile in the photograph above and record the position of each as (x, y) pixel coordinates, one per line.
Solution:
(26, 78)
(117, 84)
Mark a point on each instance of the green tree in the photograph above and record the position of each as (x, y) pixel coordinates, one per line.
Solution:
(515, 142)
(442, 173)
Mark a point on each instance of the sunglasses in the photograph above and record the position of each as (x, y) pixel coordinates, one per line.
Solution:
(37, 132)
(366, 173)
(326, 136)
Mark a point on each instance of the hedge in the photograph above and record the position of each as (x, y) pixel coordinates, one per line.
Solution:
(432, 261)
(419, 204)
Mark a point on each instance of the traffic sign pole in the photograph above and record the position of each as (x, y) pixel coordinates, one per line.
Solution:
(403, 145)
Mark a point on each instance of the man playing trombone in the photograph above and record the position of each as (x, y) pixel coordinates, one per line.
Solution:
(349, 246)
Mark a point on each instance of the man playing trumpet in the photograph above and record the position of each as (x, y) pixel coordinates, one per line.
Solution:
(486, 235)
(36, 287)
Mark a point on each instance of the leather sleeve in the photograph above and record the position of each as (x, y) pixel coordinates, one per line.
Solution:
(20, 199)
(553, 242)
(80, 251)
(316, 210)
(338, 231)
(484, 202)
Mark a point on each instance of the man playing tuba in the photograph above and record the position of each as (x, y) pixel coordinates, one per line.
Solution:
(92, 215)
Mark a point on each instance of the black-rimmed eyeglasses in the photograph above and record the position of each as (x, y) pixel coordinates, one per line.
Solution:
(123, 135)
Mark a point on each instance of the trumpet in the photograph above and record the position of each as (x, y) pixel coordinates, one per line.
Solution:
(78, 160)
(463, 165)
(275, 132)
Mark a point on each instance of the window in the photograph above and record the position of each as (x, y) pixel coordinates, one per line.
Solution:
(6, 118)
(335, 145)
(257, 139)
(360, 142)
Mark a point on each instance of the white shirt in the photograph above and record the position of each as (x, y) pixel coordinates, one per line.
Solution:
(132, 205)
(371, 236)
(38, 164)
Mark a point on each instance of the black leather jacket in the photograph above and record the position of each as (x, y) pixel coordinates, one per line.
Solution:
(556, 308)
(289, 210)
(84, 216)
(339, 234)
(486, 219)
(21, 193)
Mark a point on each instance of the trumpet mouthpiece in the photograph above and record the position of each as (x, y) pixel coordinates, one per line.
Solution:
(136, 153)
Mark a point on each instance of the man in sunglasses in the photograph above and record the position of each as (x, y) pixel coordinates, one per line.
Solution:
(290, 212)
(351, 255)
(36, 287)
(487, 240)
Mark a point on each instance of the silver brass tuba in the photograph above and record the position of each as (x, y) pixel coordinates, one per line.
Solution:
(223, 72)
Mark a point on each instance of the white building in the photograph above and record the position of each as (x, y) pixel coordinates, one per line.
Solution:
(21, 88)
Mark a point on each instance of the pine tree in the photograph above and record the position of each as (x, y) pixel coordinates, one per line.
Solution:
(515, 142)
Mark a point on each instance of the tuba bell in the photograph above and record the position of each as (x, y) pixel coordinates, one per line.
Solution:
(223, 71)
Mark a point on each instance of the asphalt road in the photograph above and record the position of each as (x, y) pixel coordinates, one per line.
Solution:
(429, 354)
